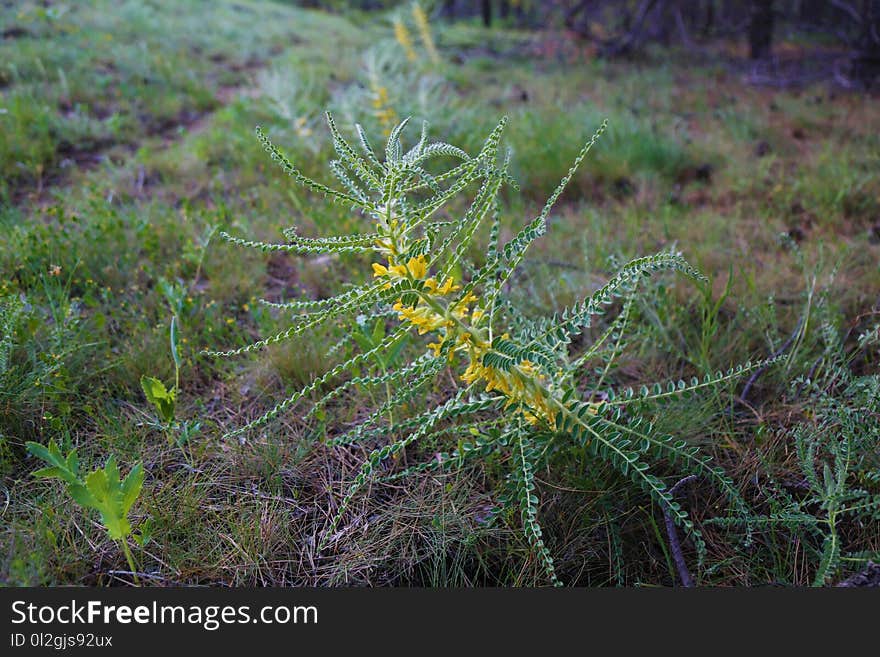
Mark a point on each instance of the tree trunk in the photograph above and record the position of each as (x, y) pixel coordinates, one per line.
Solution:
(709, 19)
(520, 13)
(487, 13)
(866, 55)
(504, 9)
(761, 29)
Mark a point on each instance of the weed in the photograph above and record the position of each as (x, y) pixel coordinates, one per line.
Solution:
(537, 407)
(101, 490)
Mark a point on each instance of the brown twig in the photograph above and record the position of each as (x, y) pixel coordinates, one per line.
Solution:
(776, 354)
(674, 544)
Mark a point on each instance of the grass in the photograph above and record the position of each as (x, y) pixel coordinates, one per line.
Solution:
(127, 141)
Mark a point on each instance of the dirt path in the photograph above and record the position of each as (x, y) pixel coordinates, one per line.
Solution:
(167, 132)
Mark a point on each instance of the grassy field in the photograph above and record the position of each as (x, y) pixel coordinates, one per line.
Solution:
(126, 145)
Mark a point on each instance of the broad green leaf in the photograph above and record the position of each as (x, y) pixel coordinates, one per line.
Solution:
(160, 397)
(395, 349)
(131, 487)
(49, 473)
(362, 341)
(102, 489)
(155, 390)
(81, 495)
(73, 462)
(65, 469)
(112, 472)
(378, 330)
(108, 500)
(41, 452)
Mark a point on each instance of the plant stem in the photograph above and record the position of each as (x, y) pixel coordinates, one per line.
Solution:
(130, 560)
(390, 408)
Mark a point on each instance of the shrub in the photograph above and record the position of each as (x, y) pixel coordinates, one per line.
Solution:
(525, 391)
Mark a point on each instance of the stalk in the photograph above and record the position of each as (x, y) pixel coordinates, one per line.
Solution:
(130, 560)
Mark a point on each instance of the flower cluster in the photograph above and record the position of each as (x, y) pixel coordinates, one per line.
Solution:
(382, 109)
(536, 409)
(424, 27)
(402, 35)
(523, 383)
(435, 309)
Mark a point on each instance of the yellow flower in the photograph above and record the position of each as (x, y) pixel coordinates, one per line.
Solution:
(448, 287)
(386, 246)
(404, 39)
(460, 309)
(394, 271)
(513, 384)
(418, 267)
(383, 111)
(434, 288)
(422, 317)
(523, 385)
(397, 271)
(425, 32)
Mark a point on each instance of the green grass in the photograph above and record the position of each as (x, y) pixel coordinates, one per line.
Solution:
(77, 78)
(126, 141)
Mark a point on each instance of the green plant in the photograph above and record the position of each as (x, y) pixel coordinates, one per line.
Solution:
(42, 343)
(368, 338)
(522, 396)
(838, 449)
(164, 400)
(834, 494)
(837, 454)
(843, 445)
(423, 24)
(101, 490)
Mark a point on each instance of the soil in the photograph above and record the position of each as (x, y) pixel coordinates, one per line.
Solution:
(869, 577)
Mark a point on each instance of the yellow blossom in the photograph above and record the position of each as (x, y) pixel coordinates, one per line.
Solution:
(418, 267)
(448, 287)
(422, 317)
(404, 39)
(383, 111)
(522, 384)
(421, 19)
(397, 271)
(394, 271)
(386, 247)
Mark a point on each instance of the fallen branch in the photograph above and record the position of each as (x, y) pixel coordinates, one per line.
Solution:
(758, 372)
(674, 544)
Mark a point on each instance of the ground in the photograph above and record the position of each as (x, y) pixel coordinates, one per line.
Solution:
(128, 142)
